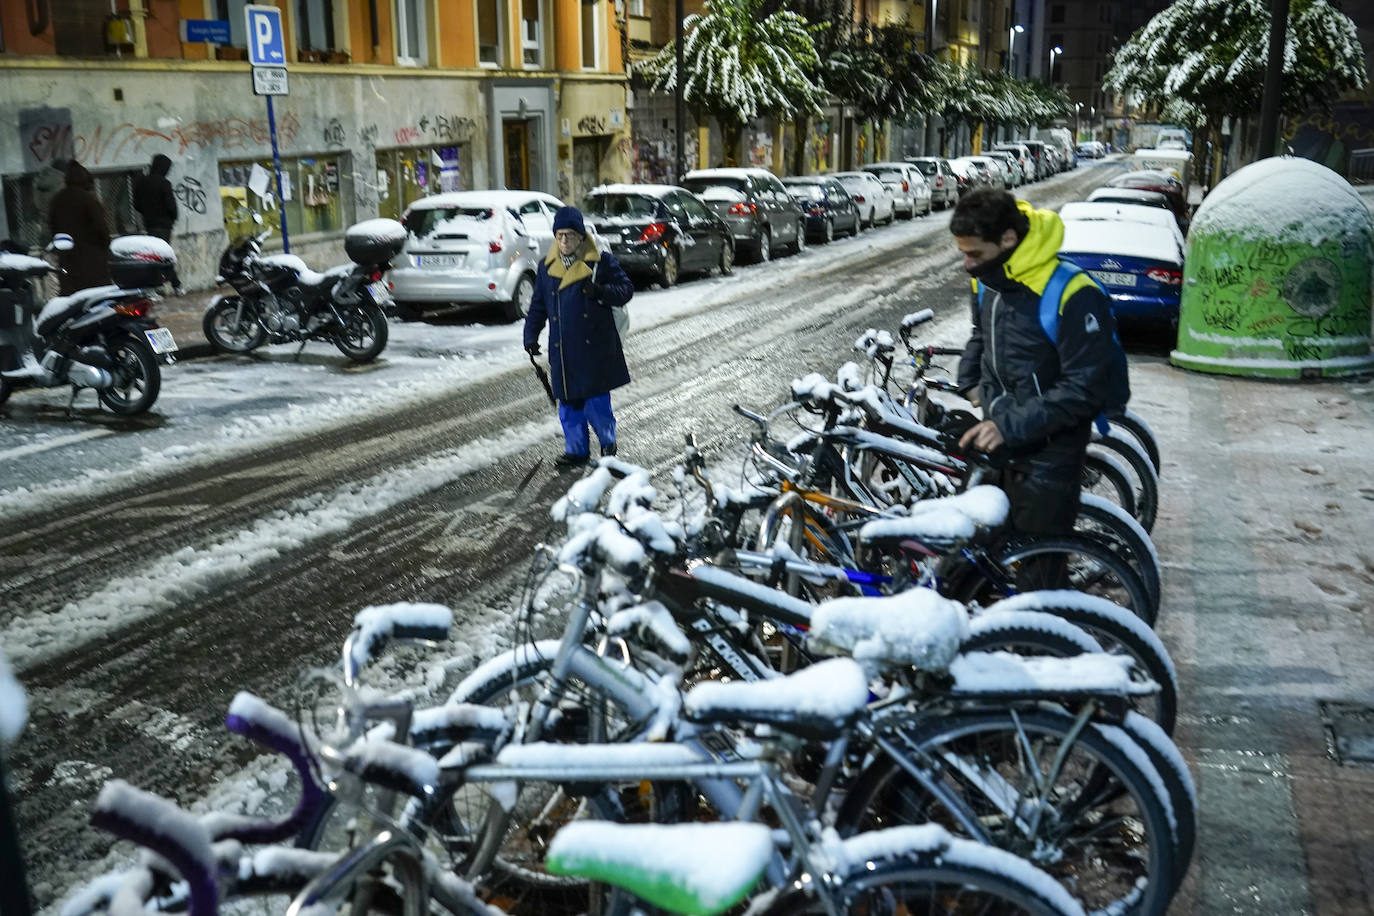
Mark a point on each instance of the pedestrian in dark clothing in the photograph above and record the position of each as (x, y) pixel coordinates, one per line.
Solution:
(156, 203)
(575, 289)
(78, 212)
(1039, 396)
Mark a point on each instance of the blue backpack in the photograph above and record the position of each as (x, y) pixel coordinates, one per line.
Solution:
(1118, 380)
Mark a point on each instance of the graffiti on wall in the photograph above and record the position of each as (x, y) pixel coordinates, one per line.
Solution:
(591, 124)
(334, 133)
(432, 127)
(190, 194)
(47, 141)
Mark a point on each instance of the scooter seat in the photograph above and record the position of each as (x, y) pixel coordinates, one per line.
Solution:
(60, 308)
(304, 275)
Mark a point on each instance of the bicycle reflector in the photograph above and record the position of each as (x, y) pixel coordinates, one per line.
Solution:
(653, 232)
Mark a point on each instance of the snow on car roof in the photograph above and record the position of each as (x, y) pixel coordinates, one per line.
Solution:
(1131, 213)
(493, 198)
(1132, 239)
(727, 172)
(654, 190)
(1140, 194)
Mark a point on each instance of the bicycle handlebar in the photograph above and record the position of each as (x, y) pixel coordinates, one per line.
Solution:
(159, 825)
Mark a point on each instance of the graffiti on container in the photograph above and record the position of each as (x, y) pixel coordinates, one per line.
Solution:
(1312, 288)
(1300, 349)
(1221, 276)
(1268, 322)
(591, 124)
(334, 133)
(46, 142)
(1225, 317)
(190, 194)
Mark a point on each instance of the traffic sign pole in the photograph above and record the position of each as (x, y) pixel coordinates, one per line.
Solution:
(267, 49)
(276, 164)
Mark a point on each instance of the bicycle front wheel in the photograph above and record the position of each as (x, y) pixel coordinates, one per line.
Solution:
(1092, 811)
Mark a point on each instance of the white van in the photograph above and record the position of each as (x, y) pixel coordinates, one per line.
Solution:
(1062, 139)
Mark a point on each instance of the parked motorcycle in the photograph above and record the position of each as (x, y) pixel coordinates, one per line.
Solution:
(102, 338)
(276, 298)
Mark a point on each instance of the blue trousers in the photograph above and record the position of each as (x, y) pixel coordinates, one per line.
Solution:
(576, 415)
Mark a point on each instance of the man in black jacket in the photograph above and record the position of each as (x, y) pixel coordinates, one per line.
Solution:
(1039, 396)
(156, 202)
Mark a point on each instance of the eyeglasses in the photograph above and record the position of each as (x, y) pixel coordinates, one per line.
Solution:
(567, 235)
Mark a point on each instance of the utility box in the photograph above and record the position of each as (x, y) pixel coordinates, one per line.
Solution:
(1276, 279)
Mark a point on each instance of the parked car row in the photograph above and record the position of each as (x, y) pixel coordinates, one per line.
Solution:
(1127, 235)
(467, 249)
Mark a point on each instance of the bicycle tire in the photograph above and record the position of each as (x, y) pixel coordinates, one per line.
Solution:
(962, 881)
(1117, 631)
(1105, 519)
(1105, 476)
(1144, 478)
(1134, 424)
(1027, 633)
(1100, 572)
(1178, 780)
(970, 752)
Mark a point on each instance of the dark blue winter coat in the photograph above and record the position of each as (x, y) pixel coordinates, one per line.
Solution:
(585, 358)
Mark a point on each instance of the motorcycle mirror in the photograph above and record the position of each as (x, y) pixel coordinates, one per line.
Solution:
(257, 217)
(62, 242)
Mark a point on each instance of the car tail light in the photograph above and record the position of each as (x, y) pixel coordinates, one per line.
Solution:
(858, 198)
(374, 276)
(743, 209)
(1165, 276)
(905, 187)
(653, 232)
(494, 246)
(136, 309)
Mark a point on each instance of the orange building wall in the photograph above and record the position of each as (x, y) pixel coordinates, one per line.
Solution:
(614, 62)
(360, 44)
(194, 50)
(457, 44)
(162, 26)
(17, 38)
(567, 42)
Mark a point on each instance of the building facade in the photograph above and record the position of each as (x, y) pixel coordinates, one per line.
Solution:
(389, 100)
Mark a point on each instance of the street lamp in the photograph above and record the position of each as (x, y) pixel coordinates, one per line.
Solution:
(1054, 52)
(1011, 45)
(1077, 109)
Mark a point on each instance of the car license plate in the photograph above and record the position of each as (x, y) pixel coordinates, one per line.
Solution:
(380, 293)
(160, 339)
(1113, 278)
(440, 260)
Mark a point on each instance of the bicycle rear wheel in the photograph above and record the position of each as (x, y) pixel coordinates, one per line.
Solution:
(1104, 476)
(1104, 519)
(1141, 473)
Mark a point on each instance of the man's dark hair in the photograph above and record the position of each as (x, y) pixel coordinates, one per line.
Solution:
(987, 213)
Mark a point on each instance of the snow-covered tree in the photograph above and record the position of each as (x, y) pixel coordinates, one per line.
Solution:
(1203, 60)
(739, 64)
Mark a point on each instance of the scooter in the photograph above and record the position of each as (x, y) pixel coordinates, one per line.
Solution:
(103, 338)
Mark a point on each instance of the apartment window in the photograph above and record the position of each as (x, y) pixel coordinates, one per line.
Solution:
(232, 10)
(1057, 13)
(532, 33)
(637, 8)
(410, 33)
(591, 22)
(312, 186)
(489, 33)
(314, 26)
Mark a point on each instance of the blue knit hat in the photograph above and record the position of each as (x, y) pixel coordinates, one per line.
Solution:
(569, 218)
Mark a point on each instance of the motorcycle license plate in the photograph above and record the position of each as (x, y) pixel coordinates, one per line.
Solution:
(380, 293)
(160, 339)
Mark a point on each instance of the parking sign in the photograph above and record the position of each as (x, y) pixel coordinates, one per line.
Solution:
(266, 47)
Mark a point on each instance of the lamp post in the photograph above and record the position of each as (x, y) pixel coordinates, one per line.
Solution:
(1054, 52)
(1077, 109)
(1011, 45)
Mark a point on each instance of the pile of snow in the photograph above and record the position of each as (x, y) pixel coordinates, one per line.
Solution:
(1285, 198)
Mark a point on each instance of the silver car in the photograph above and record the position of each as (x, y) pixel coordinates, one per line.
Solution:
(1018, 177)
(910, 192)
(468, 249)
(872, 196)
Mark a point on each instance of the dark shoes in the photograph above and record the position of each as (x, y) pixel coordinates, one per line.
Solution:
(565, 461)
(607, 450)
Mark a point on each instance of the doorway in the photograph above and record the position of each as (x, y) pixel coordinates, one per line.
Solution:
(517, 154)
(587, 154)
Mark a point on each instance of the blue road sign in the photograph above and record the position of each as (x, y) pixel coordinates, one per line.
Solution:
(215, 31)
(266, 46)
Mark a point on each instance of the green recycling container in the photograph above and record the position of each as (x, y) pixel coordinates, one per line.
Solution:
(1276, 279)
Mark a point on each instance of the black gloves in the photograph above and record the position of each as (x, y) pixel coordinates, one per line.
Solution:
(532, 348)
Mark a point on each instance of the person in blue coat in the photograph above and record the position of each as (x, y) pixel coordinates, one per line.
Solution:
(575, 289)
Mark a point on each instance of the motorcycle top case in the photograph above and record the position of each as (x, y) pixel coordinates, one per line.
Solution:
(137, 261)
(374, 241)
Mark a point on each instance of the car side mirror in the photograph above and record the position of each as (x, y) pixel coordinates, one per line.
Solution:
(62, 242)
